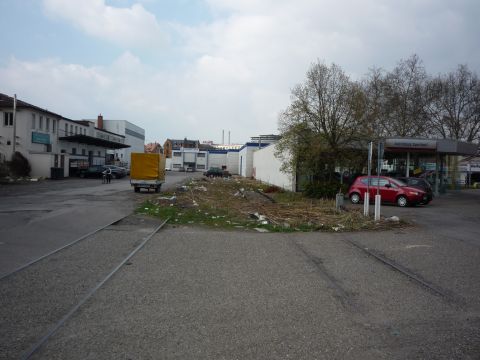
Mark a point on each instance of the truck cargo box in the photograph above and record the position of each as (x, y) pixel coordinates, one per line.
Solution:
(147, 171)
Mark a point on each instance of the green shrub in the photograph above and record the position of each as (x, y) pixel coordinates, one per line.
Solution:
(19, 165)
(324, 190)
(3, 169)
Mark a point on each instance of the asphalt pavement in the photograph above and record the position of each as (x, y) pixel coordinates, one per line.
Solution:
(39, 217)
(196, 293)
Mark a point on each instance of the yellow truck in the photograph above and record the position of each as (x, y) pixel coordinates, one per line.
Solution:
(147, 171)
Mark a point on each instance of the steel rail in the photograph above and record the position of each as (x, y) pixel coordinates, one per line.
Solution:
(22, 267)
(402, 270)
(54, 329)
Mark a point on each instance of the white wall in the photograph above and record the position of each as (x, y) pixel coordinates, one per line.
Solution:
(267, 169)
(245, 162)
(217, 160)
(232, 162)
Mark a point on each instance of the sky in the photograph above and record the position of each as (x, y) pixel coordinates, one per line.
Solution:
(192, 68)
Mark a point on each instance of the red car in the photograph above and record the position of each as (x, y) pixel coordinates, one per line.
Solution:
(391, 191)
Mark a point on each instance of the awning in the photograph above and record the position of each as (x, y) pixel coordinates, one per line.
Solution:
(84, 139)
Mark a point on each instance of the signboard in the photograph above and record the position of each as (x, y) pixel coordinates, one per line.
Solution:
(411, 144)
(40, 138)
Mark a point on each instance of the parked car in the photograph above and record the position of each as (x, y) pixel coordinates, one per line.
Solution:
(421, 184)
(391, 190)
(117, 171)
(216, 172)
(94, 171)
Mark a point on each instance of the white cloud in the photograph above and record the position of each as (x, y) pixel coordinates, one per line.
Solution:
(235, 73)
(131, 27)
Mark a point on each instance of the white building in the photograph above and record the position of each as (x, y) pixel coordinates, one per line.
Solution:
(267, 168)
(49, 140)
(245, 158)
(134, 137)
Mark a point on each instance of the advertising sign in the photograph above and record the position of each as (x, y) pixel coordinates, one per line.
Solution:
(40, 138)
(411, 144)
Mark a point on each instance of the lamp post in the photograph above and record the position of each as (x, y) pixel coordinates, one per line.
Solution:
(14, 123)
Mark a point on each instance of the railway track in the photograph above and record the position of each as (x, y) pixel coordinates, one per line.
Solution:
(345, 297)
(41, 296)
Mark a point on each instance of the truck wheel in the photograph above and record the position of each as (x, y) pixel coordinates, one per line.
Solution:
(136, 188)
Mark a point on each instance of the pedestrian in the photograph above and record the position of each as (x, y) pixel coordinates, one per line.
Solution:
(109, 175)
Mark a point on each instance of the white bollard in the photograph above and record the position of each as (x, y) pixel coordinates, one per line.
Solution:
(378, 199)
(366, 204)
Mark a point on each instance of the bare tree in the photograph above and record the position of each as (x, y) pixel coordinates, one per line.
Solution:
(404, 105)
(454, 106)
(322, 121)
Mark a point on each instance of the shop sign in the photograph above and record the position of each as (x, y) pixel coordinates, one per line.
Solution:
(411, 144)
(40, 138)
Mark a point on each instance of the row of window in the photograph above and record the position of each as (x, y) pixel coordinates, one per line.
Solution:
(178, 154)
(74, 130)
(84, 152)
(44, 123)
(41, 123)
(178, 166)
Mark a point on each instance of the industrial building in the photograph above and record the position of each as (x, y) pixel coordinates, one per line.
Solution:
(52, 143)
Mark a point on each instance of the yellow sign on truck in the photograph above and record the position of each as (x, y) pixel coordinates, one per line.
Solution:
(147, 171)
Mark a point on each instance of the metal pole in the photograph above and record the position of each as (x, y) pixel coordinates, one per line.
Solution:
(407, 171)
(14, 123)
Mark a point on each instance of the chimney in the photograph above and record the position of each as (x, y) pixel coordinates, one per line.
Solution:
(228, 137)
(100, 121)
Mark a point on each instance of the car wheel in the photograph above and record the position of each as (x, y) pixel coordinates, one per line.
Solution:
(355, 198)
(402, 201)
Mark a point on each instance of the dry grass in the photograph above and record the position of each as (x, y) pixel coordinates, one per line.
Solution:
(231, 203)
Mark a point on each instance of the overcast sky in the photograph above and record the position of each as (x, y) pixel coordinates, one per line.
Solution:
(190, 68)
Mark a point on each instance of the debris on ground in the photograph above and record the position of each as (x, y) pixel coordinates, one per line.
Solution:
(393, 219)
(263, 230)
(241, 204)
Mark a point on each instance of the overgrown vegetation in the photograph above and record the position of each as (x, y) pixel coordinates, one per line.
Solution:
(331, 118)
(19, 165)
(240, 203)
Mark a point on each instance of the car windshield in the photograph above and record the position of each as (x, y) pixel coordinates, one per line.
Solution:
(400, 182)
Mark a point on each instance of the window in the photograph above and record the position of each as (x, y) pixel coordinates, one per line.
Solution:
(177, 153)
(200, 166)
(177, 166)
(76, 129)
(47, 124)
(33, 120)
(8, 119)
(66, 129)
(83, 152)
(383, 182)
(99, 153)
(74, 151)
(40, 122)
(71, 129)
(54, 125)
(201, 155)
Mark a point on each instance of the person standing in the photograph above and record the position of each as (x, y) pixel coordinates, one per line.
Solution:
(109, 175)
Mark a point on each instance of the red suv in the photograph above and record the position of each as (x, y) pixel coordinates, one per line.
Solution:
(391, 190)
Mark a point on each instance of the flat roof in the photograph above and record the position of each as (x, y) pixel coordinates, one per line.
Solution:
(84, 139)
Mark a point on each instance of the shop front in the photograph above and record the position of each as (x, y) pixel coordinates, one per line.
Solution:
(436, 160)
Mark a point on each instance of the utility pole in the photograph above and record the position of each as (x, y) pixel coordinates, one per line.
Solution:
(14, 123)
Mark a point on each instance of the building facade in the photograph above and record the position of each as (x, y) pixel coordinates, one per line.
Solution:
(134, 137)
(49, 140)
